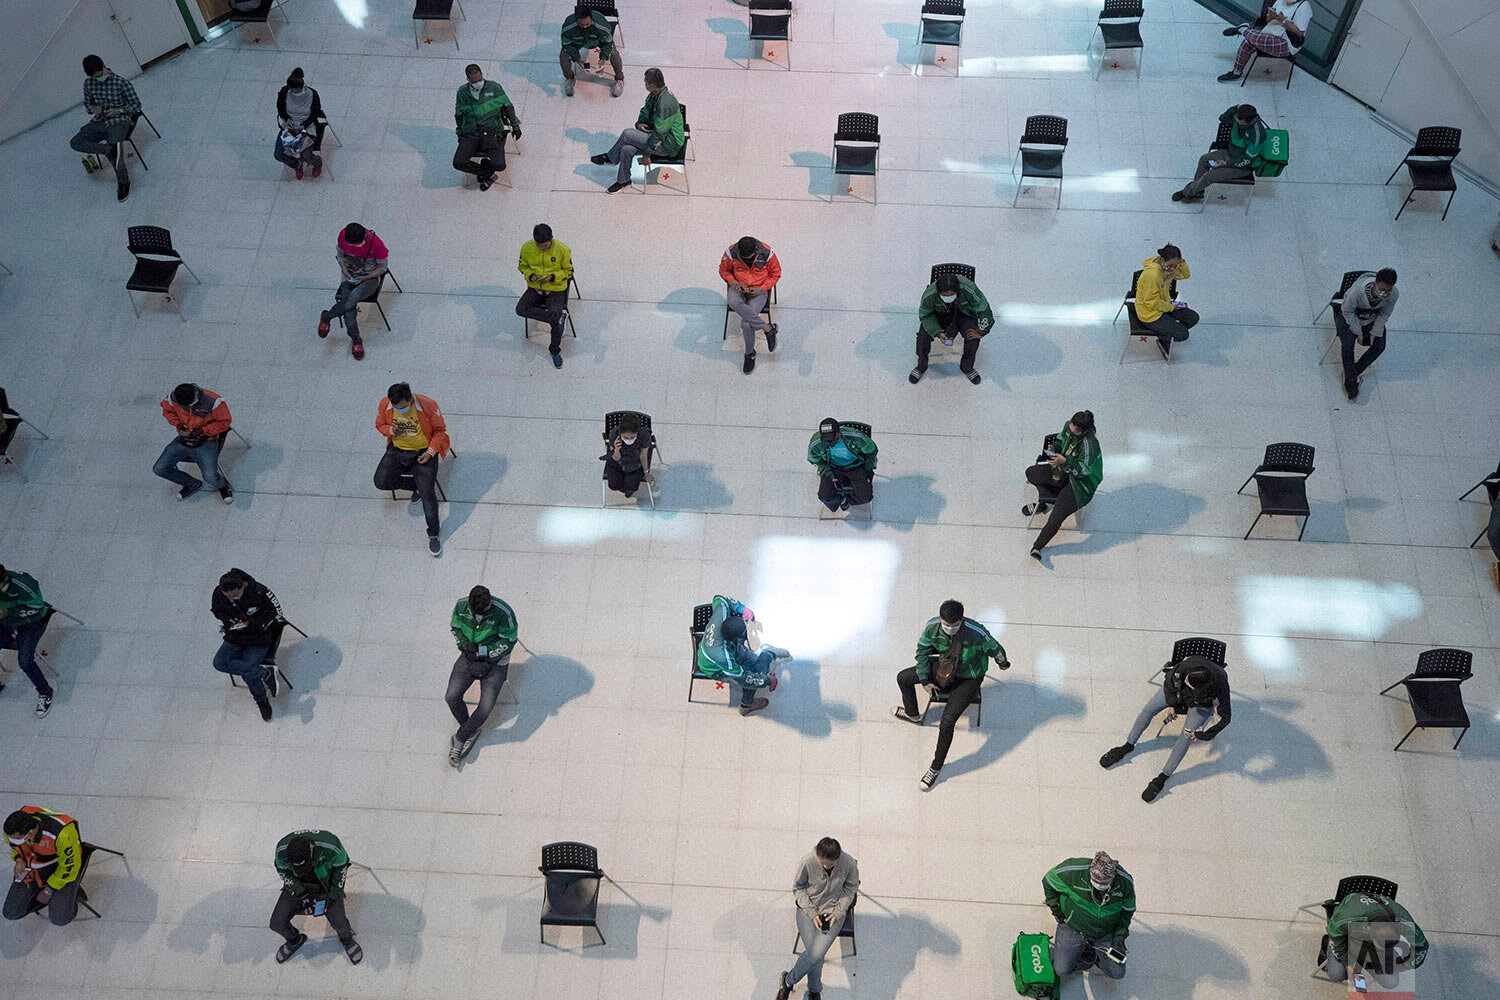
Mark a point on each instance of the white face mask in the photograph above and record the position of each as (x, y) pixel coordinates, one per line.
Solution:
(476, 88)
(627, 441)
(950, 299)
(952, 629)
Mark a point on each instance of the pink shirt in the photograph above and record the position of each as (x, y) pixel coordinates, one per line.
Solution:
(373, 247)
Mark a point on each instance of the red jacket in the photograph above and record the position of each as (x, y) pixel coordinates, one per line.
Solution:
(207, 418)
(429, 418)
(761, 272)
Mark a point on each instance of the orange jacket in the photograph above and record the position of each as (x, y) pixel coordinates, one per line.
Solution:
(429, 418)
(207, 418)
(762, 272)
(57, 856)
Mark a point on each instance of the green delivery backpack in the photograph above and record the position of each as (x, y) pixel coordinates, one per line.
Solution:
(1031, 963)
(1274, 154)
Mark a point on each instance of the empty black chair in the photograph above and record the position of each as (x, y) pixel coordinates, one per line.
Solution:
(847, 931)
(856, 148)
(435, 10)
(941, 697)
(1119, 26)
(765, 310)
(942, 24)
(1137, 328)
(1051, 134)
(1491, 484)
(1281, 482)
(1433, 691)
(770, 21)
(1429, 164)
(701, 614)
(156, 264)
(1221, 141)
(570, 897)
(962, 270)
(375, 297)
(257, 15)
(611, 425)
(608, 9)
(678, 160)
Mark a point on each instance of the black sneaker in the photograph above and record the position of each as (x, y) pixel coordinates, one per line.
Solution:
(771, 338)
(434, 546)
(783, 988)
(458, 750)
(122, 190)
(485, 183)
(1154, 788)
(43, 705)
(188, 491)
(617, 186)
(265, 709)
(226, 493)
(1228, 77)
(916, 374)
(1114, 755)
(1351, 389)
(1231, 32)
(1036, 554)
(973, 377)
(354, 951)
(415, 497)
(272, 682)
(754, 706)
(1035, 508)
(927, 780)
(599, 158)
(749, 363)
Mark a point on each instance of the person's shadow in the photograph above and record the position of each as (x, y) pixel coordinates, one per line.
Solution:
(436, 144)
(535, 690)
(241, 464)
(892, 345)
(1169, 949)
(1041, 704)
(470, 476)
(306, 662)
(798, 702)
(1115, 517)
(699, 308)
(736, 37)
(593, 143)
(112, 889)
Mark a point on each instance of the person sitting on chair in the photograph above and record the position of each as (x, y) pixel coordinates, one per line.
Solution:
(547, 266)
(1367, 305)
(485, 630)
(1092, 902)
(1170, 319)
(313, 865)
(362, 258)
(824, 888)
(1279, 32)
(724, 651)
(1493, 534)
(416, 439)
(250, 621)
(582, 31)
(658, 132)
(481, 112)
(845, 460)
(1195, 688)
(750, 271)
(952, 306)
(10, 422)
(1364, 928)
(1066, 477)
(23, 619)
(627, 462)
(48, 854)
(299, 114)
(113, 103)
(201, 419)
(1246, 139)
(952, 657)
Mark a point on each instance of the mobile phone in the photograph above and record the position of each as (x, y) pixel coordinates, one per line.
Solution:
(1359, 981)
(1115, 955)
(1050, 453)
(319, 905)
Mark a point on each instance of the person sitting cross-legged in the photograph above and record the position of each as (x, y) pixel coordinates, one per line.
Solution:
(363, 259)
(1092, 902)
(750, 271)
(486, 631)
(481, 112)
(1280, 31)
(658, 132)
(250, 619)
(724, 651)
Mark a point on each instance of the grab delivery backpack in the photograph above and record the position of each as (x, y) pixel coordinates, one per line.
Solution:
(1031, 963)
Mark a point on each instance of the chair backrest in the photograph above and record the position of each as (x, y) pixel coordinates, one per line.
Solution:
(432, 10)
(1364, 883)
(1437, 140)
(612, 422)
(1135, 279)
(946, 8)
(858, 126)
(1445, 662)
(701, 614)
(772, 6)
(570, 855)
(1288, 456)
(1210, 649)
(152, 240)
(962, 270)
(862, 428)
(605, 7)
(1350, 277)
(1222, 137)
(1045, 130)
(1122, 10)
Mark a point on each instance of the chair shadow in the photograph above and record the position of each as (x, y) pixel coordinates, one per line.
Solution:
(892, 345)
(693, 487)
(619, 922)
(108, 891)
(540, 686)
(1467, 972)
(905, 36)
(470, 475)
(798, 702)
(436, 173)
(1049, 703)
(74, 645)
(1329, 521)
(820, 178)
(736, 37)
(249, 463)
(1128, 514)
(902, 502)
(538, 64)
(306, 663)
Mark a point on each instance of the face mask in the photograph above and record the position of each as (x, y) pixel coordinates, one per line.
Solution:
(950, 299)
(952, 629)
(404, 409)
(476, 88)
(627, 441)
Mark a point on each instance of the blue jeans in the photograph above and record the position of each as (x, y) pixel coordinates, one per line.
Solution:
(1071, 950)
(756, 676)
(631, 143)
(810, 962)
(347, 299)
(26, 638)
(308, 157)
(1195, 719)
(245, 662)
(206, 455)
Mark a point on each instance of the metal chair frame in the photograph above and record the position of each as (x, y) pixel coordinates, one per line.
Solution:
(417, 22)
(1124, 14)
(935, 12)
(148, 234)
(771, 10)
(862, 133)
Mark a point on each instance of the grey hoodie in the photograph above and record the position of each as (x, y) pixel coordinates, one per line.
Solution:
(833, 892)
(1358, 309)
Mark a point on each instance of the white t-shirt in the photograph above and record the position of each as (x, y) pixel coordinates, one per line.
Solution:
(1299, 12)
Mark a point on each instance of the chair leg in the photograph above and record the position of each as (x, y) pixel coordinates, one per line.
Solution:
(138, 155)
(1461, 737)
(133, 306)
(1393, 172)
(1478, 537)
(240, 436)
(1241, 490)
(1445, 216)
(108, 850)
(190, 271)
(1409, 197)
(381, 309)
(1383, 691)
(151, 124)
(44, 437)
(1303, 528)
(601, 934)
(1471, 490)
(1408, 733)
(603, 503)
(1118, 311)
(541, 933)
(99, 916)
(1252, 526)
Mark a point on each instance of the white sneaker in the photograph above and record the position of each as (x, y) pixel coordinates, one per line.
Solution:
(617, 89)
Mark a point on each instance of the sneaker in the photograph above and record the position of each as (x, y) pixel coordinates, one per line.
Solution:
(1002, 665)
(1231, 32)
(299, 171)
(89, 166)
(901, 713)
(434, 546)
(323, 323)
(974, 378)
(754, 706)
(1351, 389)
(599, 158)
(226, 493)
(617, 89)
(557, 361)
(771, 682)
(928, 779)
(771, 338)
(749, 365)
(783, 988)
(459, 749)
(43, 705)
(265, 709)
(1154, 788)
(1036, 554)
(616, 186)
(317, 172)
(272, 682)
(415, 497)
(358, 350)
(354, 951)
(188, 491)
(1228, 77)
(1165, 347)
(1114, 755)
(567, 88)
(1035, 508)
(1177, 196)
(485, 183)
(916, 374)
(289, 948)
(122, 190)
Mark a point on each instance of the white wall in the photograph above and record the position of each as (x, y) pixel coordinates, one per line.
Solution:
(42, 45)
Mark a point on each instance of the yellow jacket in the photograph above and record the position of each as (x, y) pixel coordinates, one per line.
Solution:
(1153, 289)
(536, 264)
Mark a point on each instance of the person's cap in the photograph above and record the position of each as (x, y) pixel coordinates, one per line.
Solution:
(733, 628)
(828, 430)
(1102, 871)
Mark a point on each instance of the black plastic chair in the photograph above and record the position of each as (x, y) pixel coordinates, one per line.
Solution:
(1429, 164)
(375, 297)
(260, 15)
(130, 138)
(1051, 133)
(847, 931)
(571, 292)
(770, 21)
(270, 659)
(1137, 328)
(88, 850)
(409, 483)
(678, 159)
(1369, 884)
(941, 697)
(1211, 650)
(156, 264)
(1221, 141)
(610, 12)
(1281, 482)
(1337, 302)
(941, 25)
(1491, 484)
(765, 310)
(570, 896)
(856, 149)
(1119, 25)
(1433, 691)
(10, 423)
(701, 614)
(962, 270)
(436, 10)
(612, 425)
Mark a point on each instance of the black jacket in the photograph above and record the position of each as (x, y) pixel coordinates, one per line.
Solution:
(315, 115)
(250, 621)
(1215, 697)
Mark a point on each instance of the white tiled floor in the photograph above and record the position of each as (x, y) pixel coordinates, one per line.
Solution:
(699, 815)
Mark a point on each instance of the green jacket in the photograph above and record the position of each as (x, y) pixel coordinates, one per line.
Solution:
(496, 629)
(1067, 891)
(1244, 146)
(973, 659)
(856, 441)
(484, 114)
(971, 302)
(21, 601)
(330, 866)
(1082, 461)
(1368, 907)
(601, 36)
(664, 115)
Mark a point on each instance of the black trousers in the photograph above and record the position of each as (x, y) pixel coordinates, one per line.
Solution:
(61, 908)
(491, 677)
(955, 328)
(490, 145)
(545, 307)
(1174, 325)
(960, 696)
(288, 906)
(1354, 369)
(1058, 493)
(400, 470)
(621, 481)
(860, 484)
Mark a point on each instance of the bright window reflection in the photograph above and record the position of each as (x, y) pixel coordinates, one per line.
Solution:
(817, 594)
(1057, 314)
(1051, 666)
(1071, 63)
(1275, 607)
(356, 12)
(579, 526)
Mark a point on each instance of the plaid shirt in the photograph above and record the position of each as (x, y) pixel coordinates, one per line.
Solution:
(114, 93)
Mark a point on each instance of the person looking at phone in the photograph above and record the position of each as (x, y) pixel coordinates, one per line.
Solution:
(825, 886)
(1247, 137)
(1194, 687)
(312, 865)
(1065, 476)
(1365, 924)
(952, 307)
(1167, 317)
(1092, 902)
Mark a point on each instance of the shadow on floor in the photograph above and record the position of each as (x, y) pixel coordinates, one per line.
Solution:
(693, 489)
(820, 178)
(1046, 704)
(541, 685)
(306, 663)
(905, 36)
(736, 37)
(1124, 515)
(470, 477)
(436, 144)
(797, 702)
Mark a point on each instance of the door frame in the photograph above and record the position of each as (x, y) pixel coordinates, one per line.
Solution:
(1239, 11)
